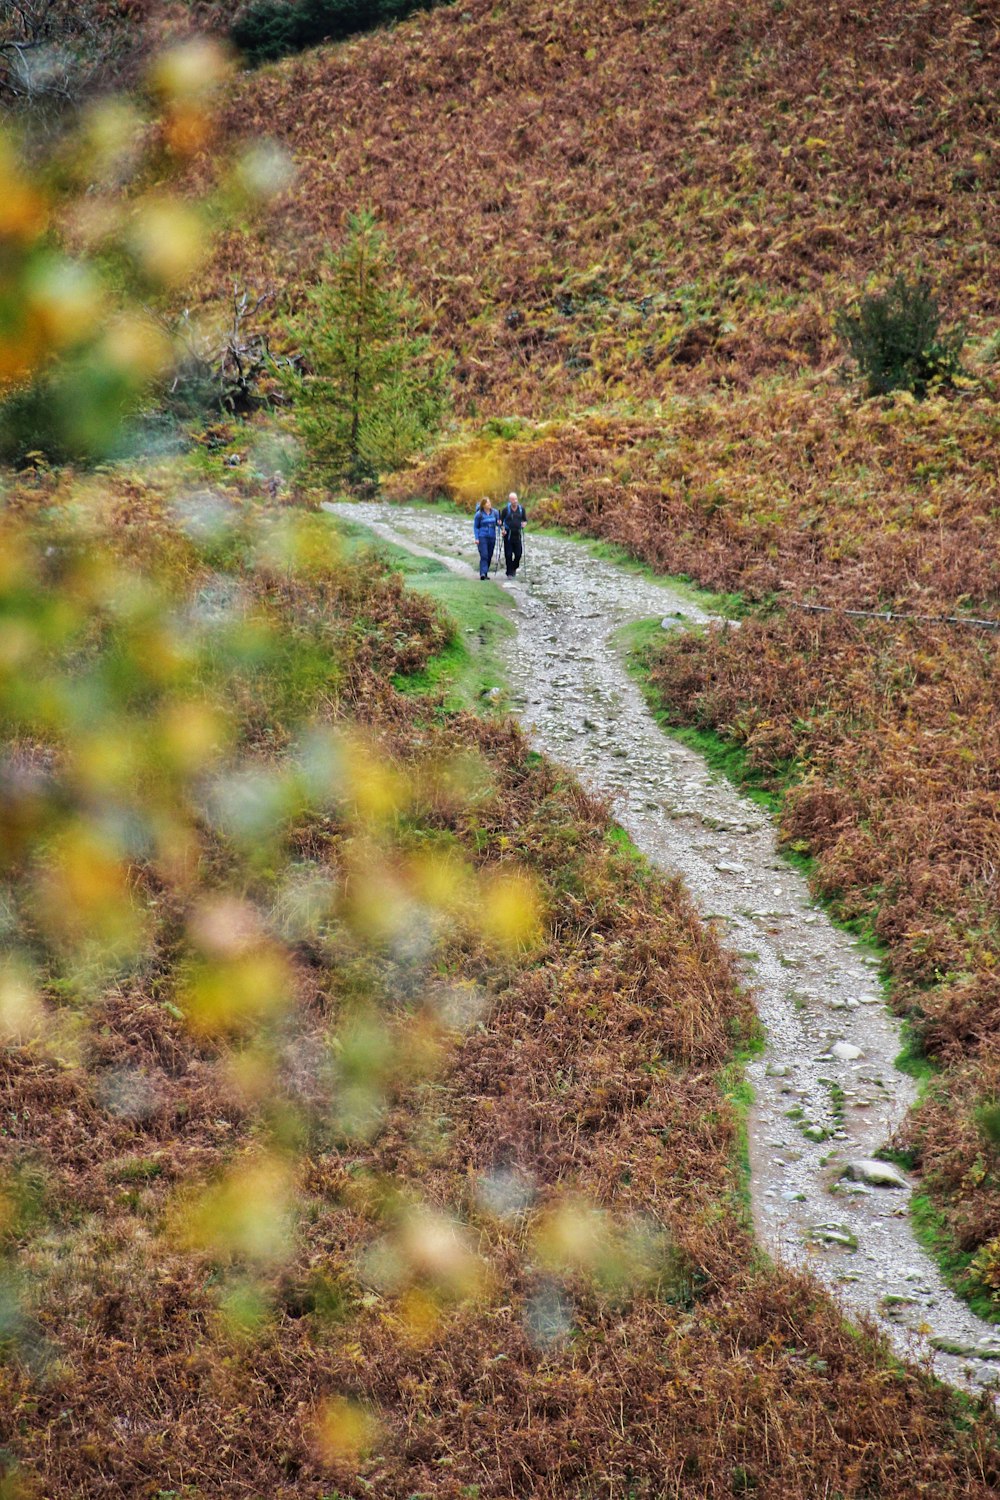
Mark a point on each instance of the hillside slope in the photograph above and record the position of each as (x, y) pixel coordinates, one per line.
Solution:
(530, 1273)
(636, 222)
(633, 223)
(615, 200)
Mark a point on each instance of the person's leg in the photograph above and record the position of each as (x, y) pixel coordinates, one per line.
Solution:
(485, 556)
(516, 550)
(508, 547)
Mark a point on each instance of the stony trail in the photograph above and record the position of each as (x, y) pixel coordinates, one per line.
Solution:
(827, 1093)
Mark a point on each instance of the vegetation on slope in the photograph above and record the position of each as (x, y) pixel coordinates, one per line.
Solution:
(448, 1213)
(661, 213)
(607, 201)
(458, 1212)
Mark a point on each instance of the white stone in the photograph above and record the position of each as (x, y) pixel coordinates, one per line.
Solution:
(876, 1173)
(845, 1052)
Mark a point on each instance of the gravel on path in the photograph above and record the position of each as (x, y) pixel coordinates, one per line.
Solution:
(827, 1095)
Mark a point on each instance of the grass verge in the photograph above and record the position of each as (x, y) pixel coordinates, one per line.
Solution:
(737, 1090)
(932, 1232)
(468, 672)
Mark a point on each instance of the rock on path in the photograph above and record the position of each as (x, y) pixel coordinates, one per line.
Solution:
(827, 1095)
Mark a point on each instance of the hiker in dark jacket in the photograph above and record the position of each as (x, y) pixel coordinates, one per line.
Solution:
(512, 519)
(484, 528)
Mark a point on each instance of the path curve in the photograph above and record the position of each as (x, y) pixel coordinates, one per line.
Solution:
(814, 1111)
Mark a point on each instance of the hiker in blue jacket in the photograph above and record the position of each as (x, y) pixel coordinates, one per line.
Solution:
(484, 527)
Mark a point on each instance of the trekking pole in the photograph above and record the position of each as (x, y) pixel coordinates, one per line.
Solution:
(524, 554)
(496, 554)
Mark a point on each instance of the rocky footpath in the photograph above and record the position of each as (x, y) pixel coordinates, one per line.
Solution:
(827, 1094)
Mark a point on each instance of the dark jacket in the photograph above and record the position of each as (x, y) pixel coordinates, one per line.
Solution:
(513, 520)
(484, 525)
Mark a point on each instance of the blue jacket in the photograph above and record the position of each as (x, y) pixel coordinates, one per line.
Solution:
(484, 525)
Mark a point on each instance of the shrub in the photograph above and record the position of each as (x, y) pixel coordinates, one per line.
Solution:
(268, 29)
(67, 414)
(898, 342)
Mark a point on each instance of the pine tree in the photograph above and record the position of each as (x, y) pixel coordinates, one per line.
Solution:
(898, 342)
(371, 390)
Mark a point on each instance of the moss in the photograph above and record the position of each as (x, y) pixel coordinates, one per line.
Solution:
(737, 1089)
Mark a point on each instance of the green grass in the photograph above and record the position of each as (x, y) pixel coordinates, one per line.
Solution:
(738, 1090)
(932, 1233)
(913, 1060)
(470, 668)
(619, 839)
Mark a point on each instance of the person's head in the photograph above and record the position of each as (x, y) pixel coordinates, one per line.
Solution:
(487, 503)
(512, 498)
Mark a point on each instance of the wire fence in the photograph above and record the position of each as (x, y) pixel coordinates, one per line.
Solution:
(889, 615)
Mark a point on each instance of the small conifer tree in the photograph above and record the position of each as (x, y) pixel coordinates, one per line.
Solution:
(897, 339)
(370, 390)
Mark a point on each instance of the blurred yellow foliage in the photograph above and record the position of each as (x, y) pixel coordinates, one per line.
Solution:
(22, 1018)
(168, 240)
(24, 207)
(237, 993)
(190, 735)
(479, 470)
(510, 908)
(192, 71)
(304, 544)
(136, 345)
(245, 1216)
(84, 893)
(344, 1431)
(419, 1313)
(377, 790)
(438, 1250)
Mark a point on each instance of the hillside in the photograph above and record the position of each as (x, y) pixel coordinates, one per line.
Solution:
(620, 200)
(657, 213)
(373, 1115)
(632, 225)
(531, 1271)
